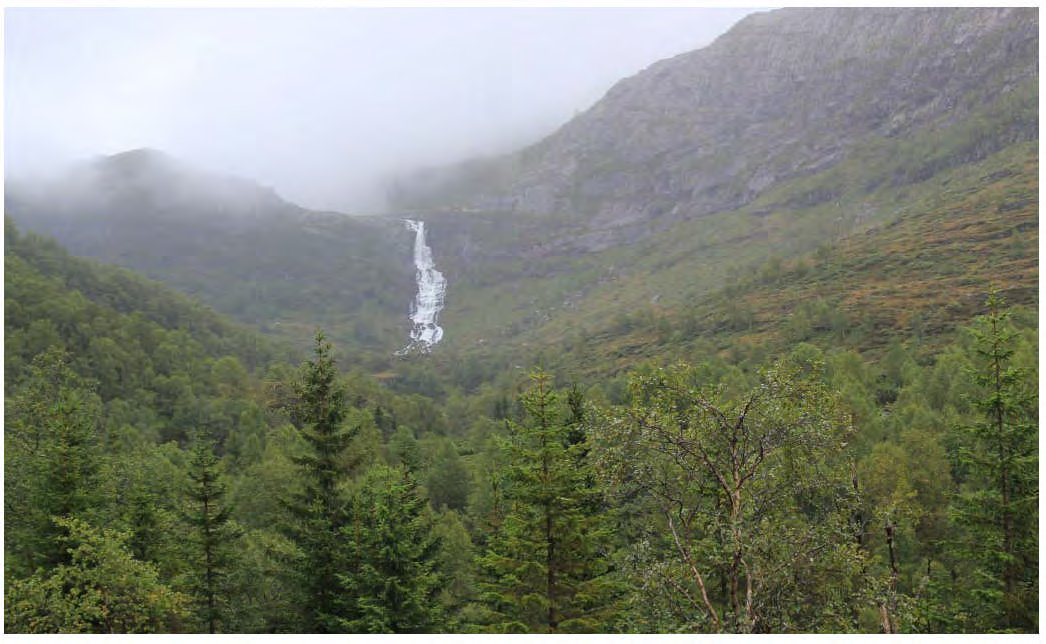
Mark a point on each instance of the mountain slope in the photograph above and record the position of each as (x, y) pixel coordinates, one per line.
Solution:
(794, 130)
(782, 95)
(235, 245)
(798, 130)
(914, 277)
(163, 364)
(906, 264)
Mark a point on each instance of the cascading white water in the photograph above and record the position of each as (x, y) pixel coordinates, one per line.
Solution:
(432, 287)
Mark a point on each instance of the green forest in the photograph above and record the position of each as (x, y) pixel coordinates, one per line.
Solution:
(167, 470)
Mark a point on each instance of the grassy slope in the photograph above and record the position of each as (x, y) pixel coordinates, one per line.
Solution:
(916, 275)
(902, 258)
(523, 302)
(934, 262)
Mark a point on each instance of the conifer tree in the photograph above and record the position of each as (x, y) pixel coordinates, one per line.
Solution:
(390, 575)
(213, 534)
(547, 566)
(319, 412)
(52, 459)
(999, 500)
(448, 481)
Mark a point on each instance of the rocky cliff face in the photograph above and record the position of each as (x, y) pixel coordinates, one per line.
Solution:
(781, 95)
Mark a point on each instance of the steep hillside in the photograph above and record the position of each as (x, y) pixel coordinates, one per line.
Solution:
(914, 277)
(233, 244)
(905, 264)
(159, 360)
(794, 130)
(782, 95)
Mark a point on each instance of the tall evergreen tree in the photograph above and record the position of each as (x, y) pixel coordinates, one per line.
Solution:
(390, 566)
(448, 481)
(547, 566)
(213, 534)
(319, 411)
(52, 459)
(998, 504)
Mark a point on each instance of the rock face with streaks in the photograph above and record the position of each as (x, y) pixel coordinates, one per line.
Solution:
(783, 94)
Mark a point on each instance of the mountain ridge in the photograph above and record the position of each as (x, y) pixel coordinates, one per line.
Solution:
(781, 95)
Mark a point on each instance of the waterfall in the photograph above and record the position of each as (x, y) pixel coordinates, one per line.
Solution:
(432, 286)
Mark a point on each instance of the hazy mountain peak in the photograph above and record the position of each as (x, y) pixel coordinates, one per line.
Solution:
(137, 159)
(147, 182)
(149, 168)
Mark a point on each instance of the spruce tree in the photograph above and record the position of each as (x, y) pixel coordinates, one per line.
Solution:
(212, 533)
(998, 503)
(319, 412)
(547, 566)
(390, 575)
(52, 459)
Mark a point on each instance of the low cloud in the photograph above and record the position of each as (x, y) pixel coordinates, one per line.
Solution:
(320, 104)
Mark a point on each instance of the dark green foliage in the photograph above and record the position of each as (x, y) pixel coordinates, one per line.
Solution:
(547, 566)
(390, 579)
(458, 571)
(86, 301)
(590, 510)
(403, 449)
(144, 485)
(213, 536)
(52, 459)
(319, 410)
(448, 481)
(148, 350)
(997, 504)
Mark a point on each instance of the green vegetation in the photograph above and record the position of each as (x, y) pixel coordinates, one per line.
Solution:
(750, 495)
(822, 490)
(795, 414)
(319, 410)
(214, 534)
(909, 262)
(233, 245)
(999, 487)
(103, 589)
(545, 562)
(391, 574)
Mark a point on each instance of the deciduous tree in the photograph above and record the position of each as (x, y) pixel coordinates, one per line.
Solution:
(102, 589)
(752, 500)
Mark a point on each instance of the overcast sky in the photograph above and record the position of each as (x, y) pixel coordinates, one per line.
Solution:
(320, 104)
